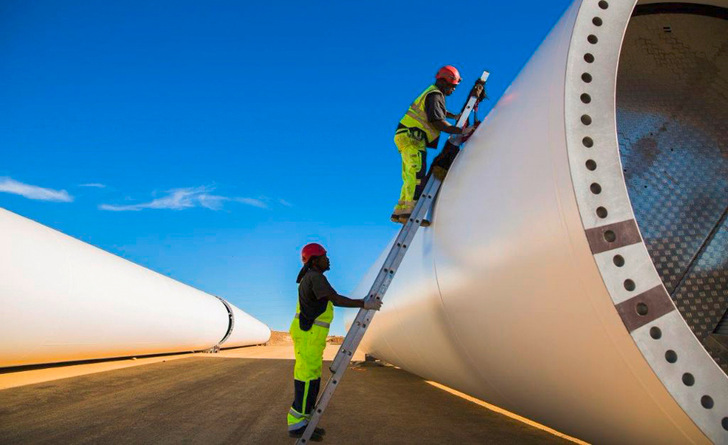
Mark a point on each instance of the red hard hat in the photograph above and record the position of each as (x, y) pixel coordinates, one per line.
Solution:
(450, 74)
(312, 250)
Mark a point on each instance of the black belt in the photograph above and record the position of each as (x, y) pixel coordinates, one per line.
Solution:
(415, 133)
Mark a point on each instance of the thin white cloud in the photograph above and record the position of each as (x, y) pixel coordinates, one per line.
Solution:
(10, 185)
(212, 202)
(95, 185)
(252, 202)
(285, 203)
(185, 198)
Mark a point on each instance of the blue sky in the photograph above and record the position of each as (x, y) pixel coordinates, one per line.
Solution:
(210, 141)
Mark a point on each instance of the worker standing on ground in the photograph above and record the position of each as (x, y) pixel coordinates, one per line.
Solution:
(309, 329)
(420, 129)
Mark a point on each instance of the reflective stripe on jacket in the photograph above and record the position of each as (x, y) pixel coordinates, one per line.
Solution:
(324, 320)
(416, 117)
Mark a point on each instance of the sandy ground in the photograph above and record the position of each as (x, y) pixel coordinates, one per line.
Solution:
(235, 397)
(215, 400)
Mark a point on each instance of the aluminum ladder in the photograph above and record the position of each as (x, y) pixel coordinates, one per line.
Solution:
(381, 283)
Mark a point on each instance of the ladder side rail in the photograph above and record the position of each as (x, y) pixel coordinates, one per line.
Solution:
(323, 402)
(470, 104)
(354, 336)
(388, 269)
(405, 236)
(367, 315)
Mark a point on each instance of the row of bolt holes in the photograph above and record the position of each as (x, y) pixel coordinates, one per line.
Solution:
(641, 308)
(687, 378)
(588, 142)
(591, 164)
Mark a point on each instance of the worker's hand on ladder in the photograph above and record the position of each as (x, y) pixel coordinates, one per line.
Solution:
(372, 304)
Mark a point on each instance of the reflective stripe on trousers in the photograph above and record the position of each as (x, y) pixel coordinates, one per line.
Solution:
(296, 420)
(323, 324)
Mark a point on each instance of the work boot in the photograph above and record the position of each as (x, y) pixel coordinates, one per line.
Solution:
(439, 172)
(402, 212)
(400, 215)
(317, 436)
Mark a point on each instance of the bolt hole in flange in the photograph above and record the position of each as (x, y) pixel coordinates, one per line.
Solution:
(655, 332)
(671, 356)
(688, 379)
(589, 58)
(641, 309)
(629, 285)
(610, 236)
(673, 146)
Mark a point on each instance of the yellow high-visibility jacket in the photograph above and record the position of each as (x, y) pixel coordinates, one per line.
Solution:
(417, 117)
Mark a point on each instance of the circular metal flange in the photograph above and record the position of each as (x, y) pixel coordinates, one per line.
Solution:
(675, 355)
(231, 321)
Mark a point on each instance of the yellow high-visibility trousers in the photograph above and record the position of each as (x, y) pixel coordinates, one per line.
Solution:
(308, 347)
(414, 168)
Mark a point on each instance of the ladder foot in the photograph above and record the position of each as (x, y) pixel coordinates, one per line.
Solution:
(317, 436)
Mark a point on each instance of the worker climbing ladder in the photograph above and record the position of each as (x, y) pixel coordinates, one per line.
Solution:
(385, 276)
